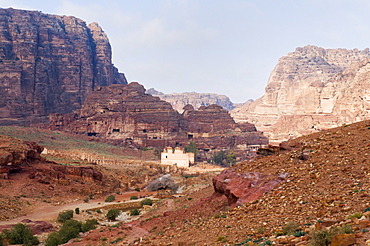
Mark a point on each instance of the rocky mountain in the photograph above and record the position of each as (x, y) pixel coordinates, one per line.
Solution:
(179, 100)
(50, 64)
(311, 89)
(126, 115)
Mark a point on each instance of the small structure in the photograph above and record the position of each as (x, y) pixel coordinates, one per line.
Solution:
(177, 156)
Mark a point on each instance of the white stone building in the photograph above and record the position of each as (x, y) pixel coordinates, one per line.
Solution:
(177, 156)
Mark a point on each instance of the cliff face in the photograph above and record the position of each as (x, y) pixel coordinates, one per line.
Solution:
(124, 114)
(180, 100)
(50, 64)
(309, 90)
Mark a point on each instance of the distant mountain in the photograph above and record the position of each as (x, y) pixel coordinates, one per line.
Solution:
(309, 90)
(179, 100)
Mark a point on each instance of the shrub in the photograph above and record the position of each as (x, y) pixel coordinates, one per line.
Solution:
(346, 229)
(86, 199)
(1, 240)
(89, 225)
(112, 214)
(147, 201)
(69, 230)
(65, 215)
(77, 210)
(320, 238)
(367, 209)
(134, 198)
(99, 211)
(110, 198)
(20, 234)
(53, 239)
(355, 215)
(290, 228)
(137, 189)
(134, 212)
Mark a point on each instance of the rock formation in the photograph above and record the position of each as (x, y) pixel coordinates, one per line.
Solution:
(126, 115)
(50, 64)
(121, 112)
(180, 100)
(311, 89)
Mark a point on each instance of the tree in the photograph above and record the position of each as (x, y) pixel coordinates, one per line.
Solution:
(110, 198)
(65, 215)
(20, 234)
(219, 157)
(192, 147)
(230, 158)
(112, 214)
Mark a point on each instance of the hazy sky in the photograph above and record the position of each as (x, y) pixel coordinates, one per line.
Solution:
(227, 47)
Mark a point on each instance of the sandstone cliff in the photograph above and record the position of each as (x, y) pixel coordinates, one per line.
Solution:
(126, 115)
(179, 100)
(50, 64)
(311, 89)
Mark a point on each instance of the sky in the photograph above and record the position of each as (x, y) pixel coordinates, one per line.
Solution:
(227, 47)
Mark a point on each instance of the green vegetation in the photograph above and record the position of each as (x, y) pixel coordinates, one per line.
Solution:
(137, 189)
(65, 215)
(147, 201)
(321, 238)
(290, 228)
(19, 234)
(77, 210)
(112, 214)
(192, 148)
(224, 159)
(110, 198)
(355, 215)
(89, 225)
(69, 230)
(134, 198)
(134, 212)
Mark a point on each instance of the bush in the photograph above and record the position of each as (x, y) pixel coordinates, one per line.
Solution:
(1, 240)
(53, 239)
(110, 198)
(134, 198)
(137, 189)
(320, 238)
(112, 214)
(20, 234)
(69, 230)
(355, 215)
(77, 210)
(290, 228)
(99, 211)
(65, 215)
(147, 201)
(89, 225)
(367, 209)
(134, 212)
(86, 199)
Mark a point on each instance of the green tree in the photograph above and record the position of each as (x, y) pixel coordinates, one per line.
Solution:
(20, 234)
(53, 239)
(219, 157)
(230, 158)
(89, 225)
(65, 215)
(192, 147)
(147, 201)
(112, 214)
(110, 198)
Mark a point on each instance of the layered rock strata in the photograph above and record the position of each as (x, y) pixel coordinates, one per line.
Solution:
(197, 100)
(311, 89)
(50, 64)
(126, 115)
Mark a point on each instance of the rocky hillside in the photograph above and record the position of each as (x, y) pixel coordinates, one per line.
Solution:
(311, 89)
(311, 185)
(179, 100)
(50, 64)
